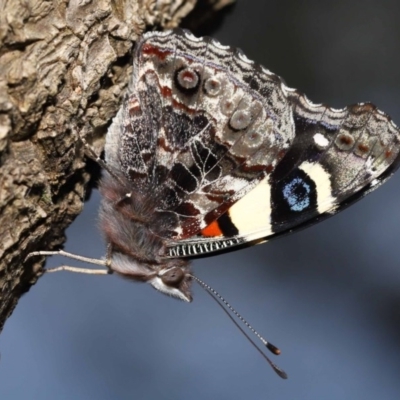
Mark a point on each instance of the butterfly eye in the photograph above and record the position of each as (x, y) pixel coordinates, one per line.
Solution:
(173, 276)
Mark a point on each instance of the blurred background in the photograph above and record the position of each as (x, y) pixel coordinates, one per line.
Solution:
(328, 296)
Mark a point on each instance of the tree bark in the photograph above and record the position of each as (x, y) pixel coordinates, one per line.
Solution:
(62, 64)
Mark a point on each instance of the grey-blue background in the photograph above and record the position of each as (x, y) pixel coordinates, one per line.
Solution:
(328, 296)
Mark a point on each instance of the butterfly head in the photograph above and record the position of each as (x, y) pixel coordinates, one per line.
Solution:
(169, 276)
(174, 280)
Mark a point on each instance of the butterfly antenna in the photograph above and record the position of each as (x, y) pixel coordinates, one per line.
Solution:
(225, 305)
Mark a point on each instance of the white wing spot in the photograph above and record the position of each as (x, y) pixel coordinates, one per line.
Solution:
(381, 113)
(321, 141)
(219, 45)
(266, 71)
(374, 182)
(310, 103)
(245, 59)
(193, 38)
(286, 89)
(336, 110)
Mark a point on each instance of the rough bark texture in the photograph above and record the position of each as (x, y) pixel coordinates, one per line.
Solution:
(62, 64)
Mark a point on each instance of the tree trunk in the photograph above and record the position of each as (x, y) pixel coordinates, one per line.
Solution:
(62, 64)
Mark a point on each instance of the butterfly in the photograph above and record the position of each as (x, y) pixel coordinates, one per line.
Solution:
(211, 152)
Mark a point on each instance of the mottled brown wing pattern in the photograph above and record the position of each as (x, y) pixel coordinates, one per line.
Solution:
(336, 158)
(203, 130)
(248, 137)
(204, 126)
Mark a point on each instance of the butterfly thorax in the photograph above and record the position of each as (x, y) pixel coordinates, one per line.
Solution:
(136, 251)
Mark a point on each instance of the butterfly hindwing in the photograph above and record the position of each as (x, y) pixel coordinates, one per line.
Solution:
(205, 134)
(228, 154)
(336, 158)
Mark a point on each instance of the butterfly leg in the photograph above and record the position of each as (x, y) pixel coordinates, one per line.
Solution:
(79, 270)
(106, 263)
(108, 258)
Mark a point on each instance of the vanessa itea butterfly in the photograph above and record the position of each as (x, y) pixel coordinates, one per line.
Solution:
(211, 151)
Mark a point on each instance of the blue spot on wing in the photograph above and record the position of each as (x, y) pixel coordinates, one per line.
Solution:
(297, 194)
(293, 200)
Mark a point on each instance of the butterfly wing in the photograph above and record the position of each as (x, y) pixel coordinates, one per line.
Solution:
(203, 126)
(336, 158)
(226, 153)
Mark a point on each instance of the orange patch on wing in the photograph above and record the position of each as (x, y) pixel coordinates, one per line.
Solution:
(212, 230)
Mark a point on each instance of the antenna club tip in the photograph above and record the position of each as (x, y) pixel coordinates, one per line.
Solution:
(273, 349)
(282, 374)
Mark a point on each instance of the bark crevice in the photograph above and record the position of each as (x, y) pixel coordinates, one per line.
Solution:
(61, 64)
